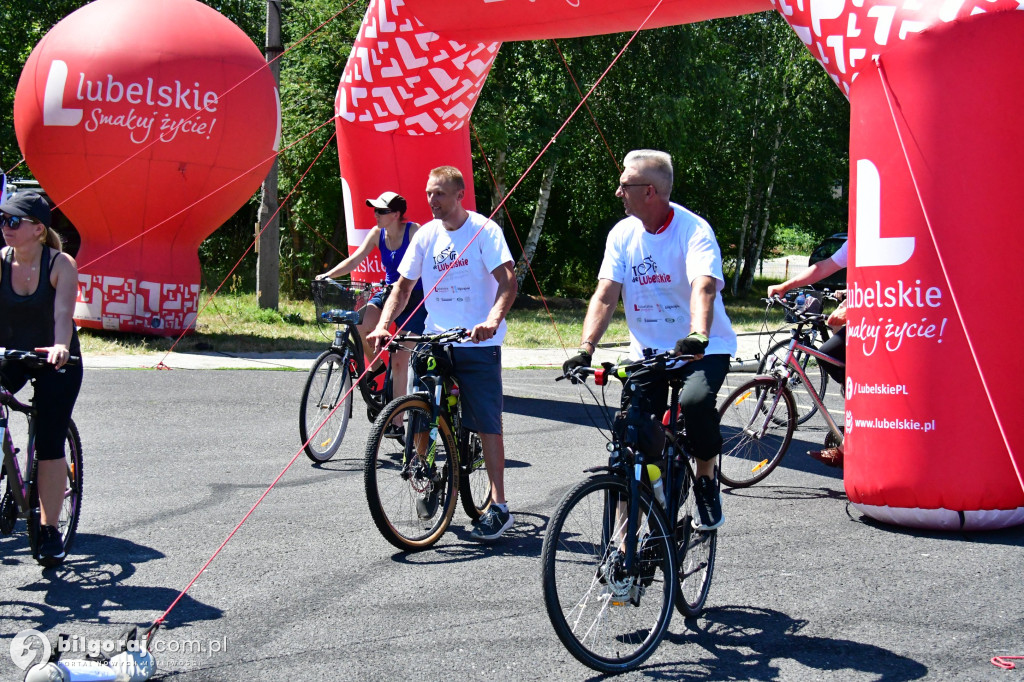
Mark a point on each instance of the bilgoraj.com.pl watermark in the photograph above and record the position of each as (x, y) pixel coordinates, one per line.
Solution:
(29, 647)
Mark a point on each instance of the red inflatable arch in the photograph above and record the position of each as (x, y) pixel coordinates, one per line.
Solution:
(935, 154)
(149, 123)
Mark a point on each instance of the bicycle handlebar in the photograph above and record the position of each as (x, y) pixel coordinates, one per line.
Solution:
(623, 370)
(33, 358)
(453, 335)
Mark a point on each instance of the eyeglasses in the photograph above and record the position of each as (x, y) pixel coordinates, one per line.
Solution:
(383, 211)
(624, 185)
(14, 221)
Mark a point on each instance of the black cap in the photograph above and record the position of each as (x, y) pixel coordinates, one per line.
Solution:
(27, 205)
(391, 200)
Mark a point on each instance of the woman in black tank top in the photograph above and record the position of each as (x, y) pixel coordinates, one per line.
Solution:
(38, 287)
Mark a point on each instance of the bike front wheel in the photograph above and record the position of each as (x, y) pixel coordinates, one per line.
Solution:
(411, 481)
(775, 358)
(71, 505)
(609, 619)
(474, 483)
(326, 400)
(757, 424)
(695, 556)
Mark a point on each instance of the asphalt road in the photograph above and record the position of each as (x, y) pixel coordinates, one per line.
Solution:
(805, 588)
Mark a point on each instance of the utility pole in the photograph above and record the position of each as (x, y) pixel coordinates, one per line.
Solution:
(268, 247)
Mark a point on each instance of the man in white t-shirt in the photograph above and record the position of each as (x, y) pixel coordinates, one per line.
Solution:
(666, 264)
(836, 346)
(468, 281)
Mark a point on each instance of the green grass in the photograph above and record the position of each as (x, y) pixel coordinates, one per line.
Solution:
(234, 323)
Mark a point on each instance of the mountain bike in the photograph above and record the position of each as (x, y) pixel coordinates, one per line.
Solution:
(816, 334)
(619, 550)
(759, 417)
(411, 478)
(18, 476)
(333, 373)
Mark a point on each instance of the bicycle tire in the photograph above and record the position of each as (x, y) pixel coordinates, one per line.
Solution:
(474, 483)
(610, 625)
(776, 356)
(695, 558)
(747, 456)
(71, 505)
(411, 497)
(329, 382)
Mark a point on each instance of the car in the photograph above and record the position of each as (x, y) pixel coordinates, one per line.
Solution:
(824, 250)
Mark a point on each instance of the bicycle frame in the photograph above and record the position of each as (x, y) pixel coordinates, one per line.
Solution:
(18, 483)
(793, 366)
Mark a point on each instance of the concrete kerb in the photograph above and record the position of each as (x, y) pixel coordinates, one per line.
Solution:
(751, 344)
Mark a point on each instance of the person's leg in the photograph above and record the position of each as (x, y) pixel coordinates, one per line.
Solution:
(835, 347)
(55, 396)
(371, 316)
(697, 402)
(494, 460)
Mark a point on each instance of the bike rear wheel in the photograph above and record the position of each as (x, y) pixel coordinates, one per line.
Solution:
(609, 620)
(775, 358)
(410, 482)
(474, 483)
(328, 385)
(71, 505)
(695, 558)
(756, 431)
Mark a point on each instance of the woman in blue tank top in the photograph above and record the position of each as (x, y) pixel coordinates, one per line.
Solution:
(391, 236)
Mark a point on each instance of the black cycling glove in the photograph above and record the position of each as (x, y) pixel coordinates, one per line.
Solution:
(583, 359)
(694, 344)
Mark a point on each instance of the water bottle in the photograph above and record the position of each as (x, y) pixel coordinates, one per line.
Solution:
(800, 300)
(657, 485)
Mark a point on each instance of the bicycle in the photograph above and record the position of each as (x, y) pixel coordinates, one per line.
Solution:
(411, 480)
(616, 555)
(759, 417)
(776, 355)
(334, 372)
(21, 497)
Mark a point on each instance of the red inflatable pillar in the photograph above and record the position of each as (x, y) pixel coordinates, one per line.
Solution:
(403, 107)
(934, 438)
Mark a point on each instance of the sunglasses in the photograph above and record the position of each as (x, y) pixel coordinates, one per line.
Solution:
(13, 221)
(383, 211)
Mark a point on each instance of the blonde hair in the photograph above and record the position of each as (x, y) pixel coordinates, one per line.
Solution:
(52, 239)
(450, 175)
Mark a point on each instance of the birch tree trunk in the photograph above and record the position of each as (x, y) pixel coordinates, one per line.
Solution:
(530, 247)
(498, 189)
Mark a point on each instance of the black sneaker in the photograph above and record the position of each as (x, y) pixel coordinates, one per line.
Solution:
(492, 524)
(709, 505)
(51, 546)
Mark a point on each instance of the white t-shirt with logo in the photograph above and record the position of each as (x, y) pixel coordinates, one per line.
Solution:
(466, 294)
(656, 272)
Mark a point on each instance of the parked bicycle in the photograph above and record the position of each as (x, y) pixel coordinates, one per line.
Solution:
(814, 336)
(759, 417)
(18, 476)
(339, 304)
(411, 479)
(621, 547)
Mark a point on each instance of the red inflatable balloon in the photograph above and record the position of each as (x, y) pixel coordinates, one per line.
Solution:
(149, 123)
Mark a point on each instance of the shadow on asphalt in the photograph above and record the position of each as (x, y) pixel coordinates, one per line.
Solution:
(88, 588)
(743, 643)
(1010, 537)
(559, 410)
(524, 539)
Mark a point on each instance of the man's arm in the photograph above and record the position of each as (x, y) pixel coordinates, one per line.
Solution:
(503, 300)
(396, 302)
(818, 271)
(702, 304)
(599, 313)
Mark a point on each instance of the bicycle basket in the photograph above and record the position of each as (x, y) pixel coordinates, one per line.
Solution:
(337, 297)
(431, 359)
(812, 305)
